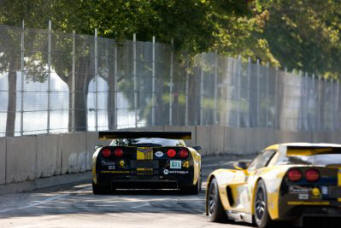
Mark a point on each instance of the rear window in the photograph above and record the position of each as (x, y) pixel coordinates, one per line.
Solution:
(152, 142)
(313, 156)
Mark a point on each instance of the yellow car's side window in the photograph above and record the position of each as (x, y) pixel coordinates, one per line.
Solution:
(262, 160)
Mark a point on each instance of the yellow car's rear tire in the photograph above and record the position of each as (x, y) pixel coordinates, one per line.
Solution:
(261, 216)
(215, 209)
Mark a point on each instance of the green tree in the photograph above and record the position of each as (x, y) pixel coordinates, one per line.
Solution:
(305, 34)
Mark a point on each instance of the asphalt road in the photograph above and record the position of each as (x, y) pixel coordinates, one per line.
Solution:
(76, 206)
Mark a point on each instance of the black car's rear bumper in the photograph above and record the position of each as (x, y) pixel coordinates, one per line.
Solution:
(147, 180)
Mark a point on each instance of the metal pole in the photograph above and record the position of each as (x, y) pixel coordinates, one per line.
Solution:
(315, 104)
(275, 124)
(22, 69)
(186, 95)
(96, 83)
(73, 89)
(49, 77)
(238, 71)
(332, 86)
(306, 102)
(115, 86)
(171, 84)
(201, 96)
(215, 119)
(248, 90)
(135, 78)
(267, 95)
(337, 123)
(258, 93)
(153, 82)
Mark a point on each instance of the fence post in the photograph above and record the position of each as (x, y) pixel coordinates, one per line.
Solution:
(22, 66)
(49, 77)
(201, 95)
(337, 123)
(238, 71)
(267, 94)
(275, 124)
(171, 84)
(96, 83)
(115, 86)
(215, 119)
(248, 89)
(186, 97)
(73, 89)
(258, 94)
(153, 82)
(135, 78)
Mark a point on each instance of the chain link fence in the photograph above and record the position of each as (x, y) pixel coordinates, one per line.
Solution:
(53, 82)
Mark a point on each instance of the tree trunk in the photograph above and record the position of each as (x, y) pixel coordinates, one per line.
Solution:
(12, 102)
(83, 76)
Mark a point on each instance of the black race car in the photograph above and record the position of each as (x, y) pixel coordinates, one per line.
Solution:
(146, 160)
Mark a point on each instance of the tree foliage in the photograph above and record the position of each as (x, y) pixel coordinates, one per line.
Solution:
(305, 34)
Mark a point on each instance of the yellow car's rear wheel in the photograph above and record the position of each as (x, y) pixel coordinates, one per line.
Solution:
(261, 216)
(215, 209)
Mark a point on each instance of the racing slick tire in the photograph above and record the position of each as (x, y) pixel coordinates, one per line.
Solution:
(98, 189)
(192, 190)
(216, 212)
(261, 217)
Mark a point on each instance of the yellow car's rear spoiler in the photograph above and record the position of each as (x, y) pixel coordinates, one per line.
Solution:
(311, 150)
(104, 135)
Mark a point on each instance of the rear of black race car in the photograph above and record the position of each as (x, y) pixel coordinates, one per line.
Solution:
(146, 167)
(311, 195)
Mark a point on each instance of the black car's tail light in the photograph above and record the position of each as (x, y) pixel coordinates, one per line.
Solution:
(312, 175)
(294, 175)
(118, 152)
(106, 152)
(171, 153)
(183, 153)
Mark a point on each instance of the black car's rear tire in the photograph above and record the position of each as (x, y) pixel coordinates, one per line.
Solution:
(216, 212)
(192, 190)
(98, 189)
(261, 216)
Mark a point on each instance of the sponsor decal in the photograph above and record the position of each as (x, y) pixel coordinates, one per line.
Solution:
(159, 154)
(175, 164)
(111, 167)
(316, 192)
(303, 196)
(166, 171)
(298, 190)
(324, 190)
(178, 172)
(185, 164)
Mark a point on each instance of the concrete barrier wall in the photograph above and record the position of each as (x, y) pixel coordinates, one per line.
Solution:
(31, 157)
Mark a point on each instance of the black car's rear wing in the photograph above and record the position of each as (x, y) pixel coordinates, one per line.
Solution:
(104, 135)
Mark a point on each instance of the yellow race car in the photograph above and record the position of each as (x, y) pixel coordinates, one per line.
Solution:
(294, 182)
(146, 160)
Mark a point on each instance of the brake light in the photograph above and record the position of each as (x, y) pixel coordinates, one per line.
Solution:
(312, 175)
(294, 175)
(118, 152)
(183, 153)
(171, 153)
(106, 153)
